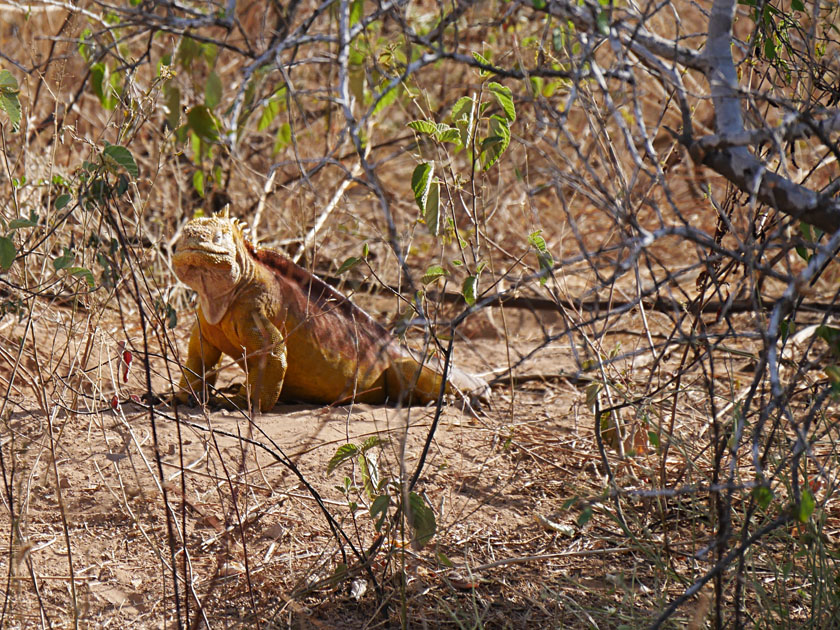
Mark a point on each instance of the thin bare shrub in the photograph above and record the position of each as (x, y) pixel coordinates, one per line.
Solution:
(650, 191)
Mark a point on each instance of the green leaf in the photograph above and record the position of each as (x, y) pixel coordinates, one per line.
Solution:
(770, 49)
(84, 47)
(544, 257)
(806, 506)
(283, 137)
(379, 508)
(537, 241)
(369, 473)
(9, 101)
(122, 157)
(209, 51)
(201, 121)
(763, 496)
(8, 82)
(452, 135)
(387, 97)
(786, 328)
(539, 4)
(584, 517)
(212, 90)
(8, 253)
(173, 106)
(464, 116)
(114, 91)
(432, 212)
(82, 272)
(797, 5)
(433, 273)
(344, 452)
(463, 108)
(558, 39)
(65, 260)
(269, 113)
(482, 72)
(102, 84)
(62, 200)
(603, 22)
(348, 264)
(97, 79)
(653, 438)
(10, 104)
(356, 11)
(505, 98)
(421, 518)
(424, 126)
(372, 442)
(470, 289)
(171, 317)
(188, 50)
(497, 142)
(122, 185)
(198, 182)
(421, 180)
(99, 189)
(803, 253)
(15, 224)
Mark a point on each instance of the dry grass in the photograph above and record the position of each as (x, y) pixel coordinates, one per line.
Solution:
(104, 500)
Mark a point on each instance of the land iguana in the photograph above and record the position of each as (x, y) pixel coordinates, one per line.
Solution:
(296, 337)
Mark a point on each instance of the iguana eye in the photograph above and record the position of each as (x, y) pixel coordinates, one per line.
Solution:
(218, 237)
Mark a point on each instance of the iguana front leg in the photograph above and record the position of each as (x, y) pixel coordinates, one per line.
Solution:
(265, 362)
(202, 357)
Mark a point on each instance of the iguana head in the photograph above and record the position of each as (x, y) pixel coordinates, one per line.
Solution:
(210, 257)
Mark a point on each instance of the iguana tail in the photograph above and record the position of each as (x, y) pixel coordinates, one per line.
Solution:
(406, 374)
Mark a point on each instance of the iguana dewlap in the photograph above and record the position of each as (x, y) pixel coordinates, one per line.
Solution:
(296, 337)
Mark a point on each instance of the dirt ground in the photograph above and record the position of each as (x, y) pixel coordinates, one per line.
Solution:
(507, 550)
(114, 514)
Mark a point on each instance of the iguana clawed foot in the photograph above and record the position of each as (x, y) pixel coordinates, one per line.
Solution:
(231, 398)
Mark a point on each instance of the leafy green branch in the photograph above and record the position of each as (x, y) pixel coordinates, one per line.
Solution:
(382, 496)
(484, 135)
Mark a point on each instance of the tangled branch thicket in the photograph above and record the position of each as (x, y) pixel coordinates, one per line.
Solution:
(656, 182)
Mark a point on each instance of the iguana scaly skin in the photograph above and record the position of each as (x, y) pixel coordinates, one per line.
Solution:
(296, 337)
